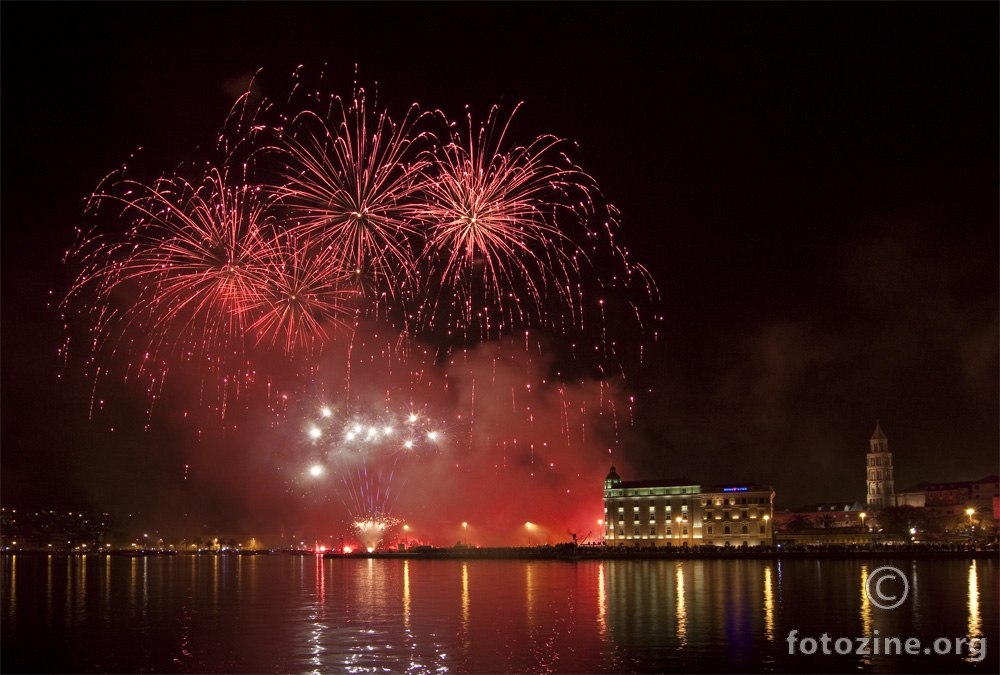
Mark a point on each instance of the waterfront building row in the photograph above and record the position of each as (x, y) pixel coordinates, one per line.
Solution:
(679, 512)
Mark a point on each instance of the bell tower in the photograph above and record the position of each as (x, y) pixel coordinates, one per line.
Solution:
(881, 487)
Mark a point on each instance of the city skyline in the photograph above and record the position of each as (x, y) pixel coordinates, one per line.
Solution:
(813, 190)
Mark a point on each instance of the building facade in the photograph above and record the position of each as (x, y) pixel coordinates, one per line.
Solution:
(881, 485)
(734, 515)
(677, 512)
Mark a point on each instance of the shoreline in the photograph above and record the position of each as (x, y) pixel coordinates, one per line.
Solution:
(564, 554)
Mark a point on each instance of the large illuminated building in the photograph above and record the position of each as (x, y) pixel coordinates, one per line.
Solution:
(677, 512)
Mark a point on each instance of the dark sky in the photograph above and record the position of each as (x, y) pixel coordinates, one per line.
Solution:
(813, 186)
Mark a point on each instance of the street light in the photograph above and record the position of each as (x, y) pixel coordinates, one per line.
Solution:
(863, 514)
(600, 529)
(527, 526)
(465, 530)
(406, 541)
(767, 533)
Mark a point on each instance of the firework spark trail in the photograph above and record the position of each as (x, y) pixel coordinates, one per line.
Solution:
(351, 187)
(494, 238)
(184, 278)
(301, 293)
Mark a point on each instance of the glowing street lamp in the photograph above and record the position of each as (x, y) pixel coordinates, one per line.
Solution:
(863, 514)
(528, 526)
(465, 530)
(406, 540)
(969, 513)
(600, 528)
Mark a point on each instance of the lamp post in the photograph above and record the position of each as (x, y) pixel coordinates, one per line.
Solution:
(406, 540)
(767, 532)
(465, 531)
(527, 526)
(600, 528)
(969, 512)
(678, 527)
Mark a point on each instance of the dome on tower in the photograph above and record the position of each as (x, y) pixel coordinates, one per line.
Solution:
(613, 480)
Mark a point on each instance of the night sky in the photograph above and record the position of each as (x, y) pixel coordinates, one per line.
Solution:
(813, 187)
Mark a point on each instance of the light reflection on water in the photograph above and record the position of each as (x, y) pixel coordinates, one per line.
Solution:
(309, 614)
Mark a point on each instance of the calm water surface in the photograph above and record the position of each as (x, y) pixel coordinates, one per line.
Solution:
(297, 614)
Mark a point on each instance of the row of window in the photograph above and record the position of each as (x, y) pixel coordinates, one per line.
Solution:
(734, 515)
(652, 519)
(744, 529)
(707, 501)
(726, 530)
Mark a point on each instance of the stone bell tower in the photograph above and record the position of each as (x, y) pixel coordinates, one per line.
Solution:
(881, 490)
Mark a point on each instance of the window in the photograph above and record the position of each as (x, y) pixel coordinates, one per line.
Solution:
(685, 531)
(635, 533)
(652, 532)
(743, 514)
(708, 515)
(762, 528)
(636, 517)
(711, 530)
(725, 514)
(621, 517)
(726, 530)
(744, 530)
